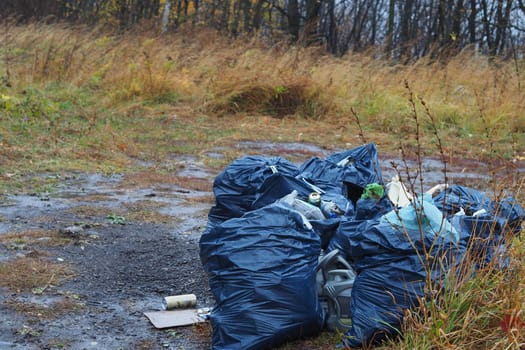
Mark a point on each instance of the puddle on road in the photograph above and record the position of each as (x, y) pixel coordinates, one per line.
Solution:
(21, 209)
(285, 149)
(432, 172)
(107, 191)
(18, 211)
(465, 172)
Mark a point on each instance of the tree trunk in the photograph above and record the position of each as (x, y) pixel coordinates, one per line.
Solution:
(486, 26)
(166, 16)
(404, 35)
(293, 19)
(332, 28)
(257, 15)
(195, 18)
(311, 26)
(472, 21)
(225, 15)
(390, 27)
(246, 8)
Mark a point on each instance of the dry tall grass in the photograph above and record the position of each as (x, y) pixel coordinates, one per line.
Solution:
(480, 309)
(470, 97)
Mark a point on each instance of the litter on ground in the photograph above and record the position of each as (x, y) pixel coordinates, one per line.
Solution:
(291, 250)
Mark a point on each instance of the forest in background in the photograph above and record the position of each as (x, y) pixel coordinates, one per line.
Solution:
(401, 31)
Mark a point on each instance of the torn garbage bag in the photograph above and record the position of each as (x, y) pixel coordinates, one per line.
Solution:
(507, 215)
(262, 273)
(345, 172)
(474, 216)
(319, 217)
(277, 186)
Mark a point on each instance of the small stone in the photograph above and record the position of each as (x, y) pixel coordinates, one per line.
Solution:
(72, 230)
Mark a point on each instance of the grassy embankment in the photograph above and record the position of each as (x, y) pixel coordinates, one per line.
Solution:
(89, 100)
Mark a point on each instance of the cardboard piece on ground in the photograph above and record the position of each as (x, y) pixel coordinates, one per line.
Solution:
(174, 318)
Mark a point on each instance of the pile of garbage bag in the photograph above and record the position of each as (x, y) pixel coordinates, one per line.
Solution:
(291, 250)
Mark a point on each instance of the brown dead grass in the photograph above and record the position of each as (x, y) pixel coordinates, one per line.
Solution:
(91, 211)
(209, 199)
(52, 311)
(145, 205)
(140, 211)
(146, 211)
(33, 271)
(149, 80)
(277, 101)
(149, 178)
(95, 198)
(33, 238)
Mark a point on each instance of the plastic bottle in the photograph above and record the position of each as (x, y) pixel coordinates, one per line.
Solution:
(329, 209)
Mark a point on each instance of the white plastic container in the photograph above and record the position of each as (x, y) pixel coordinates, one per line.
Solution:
(180, 301)
(398, 194)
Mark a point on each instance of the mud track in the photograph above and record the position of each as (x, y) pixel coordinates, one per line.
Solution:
(128, 241)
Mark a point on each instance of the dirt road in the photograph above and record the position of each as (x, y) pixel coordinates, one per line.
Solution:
(113, 247)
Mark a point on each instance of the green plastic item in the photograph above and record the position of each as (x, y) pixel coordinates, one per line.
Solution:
(373, 191)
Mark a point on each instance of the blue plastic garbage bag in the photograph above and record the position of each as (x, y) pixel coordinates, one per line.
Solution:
(379, 297)
(483, 218)
(457, 197)
(508, 213)
(386, 254)
(236, 186)
(345, 172)
(366, 209)
(277, 186)
(262, 273)
(369, 243)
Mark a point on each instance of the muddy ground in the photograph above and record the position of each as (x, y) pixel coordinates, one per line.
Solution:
(124, 243)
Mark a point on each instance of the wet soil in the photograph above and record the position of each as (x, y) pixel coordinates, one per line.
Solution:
(122, 267)
(130, 244)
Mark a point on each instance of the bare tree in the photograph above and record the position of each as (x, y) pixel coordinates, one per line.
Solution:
(403, 30)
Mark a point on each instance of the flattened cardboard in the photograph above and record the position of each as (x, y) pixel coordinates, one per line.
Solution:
(173, 318)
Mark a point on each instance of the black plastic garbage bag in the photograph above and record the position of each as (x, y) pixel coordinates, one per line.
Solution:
(262, 271)
(236, 186)
(345, 172)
